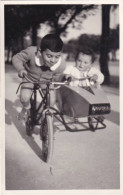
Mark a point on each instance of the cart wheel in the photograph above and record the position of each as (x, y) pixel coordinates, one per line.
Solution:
(29, 127)
(46, 133)
(93, 123)
(100, 118)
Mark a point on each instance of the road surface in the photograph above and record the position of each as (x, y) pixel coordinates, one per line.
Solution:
(81, 160)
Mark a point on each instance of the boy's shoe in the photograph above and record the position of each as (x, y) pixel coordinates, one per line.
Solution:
(23, 115)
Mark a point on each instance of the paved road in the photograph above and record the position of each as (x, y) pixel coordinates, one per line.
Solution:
(81, 160)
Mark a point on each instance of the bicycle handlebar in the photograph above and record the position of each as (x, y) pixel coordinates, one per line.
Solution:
(45, 81)
(53, 82)
(49, 82)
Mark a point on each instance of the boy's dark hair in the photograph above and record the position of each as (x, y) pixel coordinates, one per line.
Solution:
(51, 42)
(86, 51)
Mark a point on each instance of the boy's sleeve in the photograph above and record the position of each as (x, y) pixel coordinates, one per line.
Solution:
(98, 73)
(21, 58)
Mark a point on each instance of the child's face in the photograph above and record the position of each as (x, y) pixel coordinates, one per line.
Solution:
(83, 62)
(50, 58)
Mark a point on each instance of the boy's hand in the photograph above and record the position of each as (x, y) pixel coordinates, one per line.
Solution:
(94, 78)
(68, 78)
(22, 72)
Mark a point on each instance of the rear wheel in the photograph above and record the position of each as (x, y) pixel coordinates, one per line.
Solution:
(93, 123)
(47, 138)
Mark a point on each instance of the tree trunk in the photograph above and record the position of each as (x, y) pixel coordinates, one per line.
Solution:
(34, 35)
(104, 42)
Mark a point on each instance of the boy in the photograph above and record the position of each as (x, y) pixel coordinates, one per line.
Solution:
(84, 63)
(43, 63)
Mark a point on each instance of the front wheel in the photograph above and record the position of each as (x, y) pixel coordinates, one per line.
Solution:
(47, 137)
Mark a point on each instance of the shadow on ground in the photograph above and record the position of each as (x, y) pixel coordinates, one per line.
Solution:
(11, 117)
(113, 117)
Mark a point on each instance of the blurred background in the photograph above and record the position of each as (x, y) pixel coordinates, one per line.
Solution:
(95, 26)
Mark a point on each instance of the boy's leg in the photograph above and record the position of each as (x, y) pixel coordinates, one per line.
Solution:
(59, 101)
(52, 97)
(25, 95)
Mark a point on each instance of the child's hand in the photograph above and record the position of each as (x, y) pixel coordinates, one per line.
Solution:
(94, 78)
(22, 72)
(68, 78)
(96, 85)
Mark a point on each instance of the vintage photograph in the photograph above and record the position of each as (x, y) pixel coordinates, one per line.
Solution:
(62, 128)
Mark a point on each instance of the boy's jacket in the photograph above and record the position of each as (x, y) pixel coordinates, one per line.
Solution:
(27, 59)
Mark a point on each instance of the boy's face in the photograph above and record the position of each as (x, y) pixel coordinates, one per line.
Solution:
(83, 62)
(50, 58)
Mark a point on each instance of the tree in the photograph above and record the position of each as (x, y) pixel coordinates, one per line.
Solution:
(92, 41)
(105, 41)
(21, 18)
(114, 42)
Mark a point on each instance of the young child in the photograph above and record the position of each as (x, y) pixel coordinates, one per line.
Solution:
(84, 63)
(43, 63)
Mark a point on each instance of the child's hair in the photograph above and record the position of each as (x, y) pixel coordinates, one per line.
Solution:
(86, 51)
(51, 42)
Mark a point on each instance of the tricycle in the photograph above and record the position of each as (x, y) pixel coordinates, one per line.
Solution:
(74, 102)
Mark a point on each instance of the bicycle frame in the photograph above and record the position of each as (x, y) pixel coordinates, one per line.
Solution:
(52, 111)
(45, 103)
(45, 107)
(42, 113)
